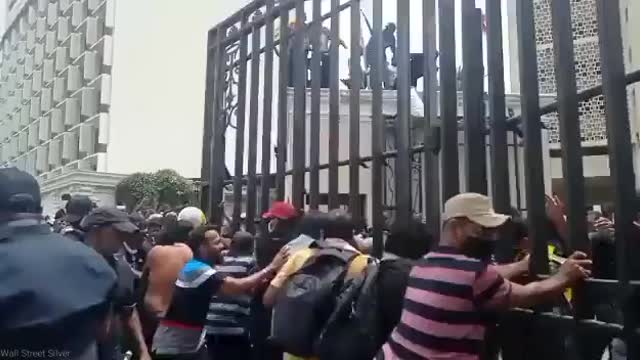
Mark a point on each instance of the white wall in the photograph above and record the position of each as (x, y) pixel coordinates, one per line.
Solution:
(158, 83)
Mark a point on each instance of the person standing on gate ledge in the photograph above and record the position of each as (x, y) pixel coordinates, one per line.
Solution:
(452, 291)
(54, 292)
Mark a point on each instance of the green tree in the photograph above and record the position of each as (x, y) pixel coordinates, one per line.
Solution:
(152, 190)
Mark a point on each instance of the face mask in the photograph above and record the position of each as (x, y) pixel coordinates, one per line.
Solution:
(479, 248)
(272, 225)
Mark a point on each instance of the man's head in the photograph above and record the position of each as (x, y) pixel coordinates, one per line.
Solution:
(19, 194)
(174, 232)
(242, 243)
(313, 224)
(339, 226)
(77, 208)
(193, 215)
(107, 229)
(281, 218)
(409, 242)
(391, 27)
(471, 225)
(206, 244)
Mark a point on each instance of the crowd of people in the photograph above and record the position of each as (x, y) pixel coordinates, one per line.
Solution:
(100, 283)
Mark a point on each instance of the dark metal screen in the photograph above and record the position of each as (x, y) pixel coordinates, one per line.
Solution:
(246, 91)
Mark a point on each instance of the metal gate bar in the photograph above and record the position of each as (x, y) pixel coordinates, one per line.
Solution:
(431, 139)
(620, 162)
(253, 131)
(314, 130)
(283, 80)
(334, 106)
(530, 104)
(355, 70)
(267, 110)
(473, 94)
(299, 108)
(377, 132)
(448, 99)
(569, 123)
(499, 150)
(240, 125)
(402, 122)
(217, 146)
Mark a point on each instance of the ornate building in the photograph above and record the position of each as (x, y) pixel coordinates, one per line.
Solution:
(587, 55)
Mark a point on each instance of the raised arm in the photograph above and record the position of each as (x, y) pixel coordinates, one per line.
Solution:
(232, 286)
(573, 270)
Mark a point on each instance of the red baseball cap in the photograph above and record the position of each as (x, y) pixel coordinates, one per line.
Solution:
(281, 210)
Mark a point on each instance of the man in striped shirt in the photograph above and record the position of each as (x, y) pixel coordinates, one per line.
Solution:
(453, 291)
(228, 316)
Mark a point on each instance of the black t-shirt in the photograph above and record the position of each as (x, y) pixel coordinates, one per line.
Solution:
(393, 277)
(123, 299)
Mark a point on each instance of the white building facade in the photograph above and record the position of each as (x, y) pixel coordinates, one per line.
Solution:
(103, 87)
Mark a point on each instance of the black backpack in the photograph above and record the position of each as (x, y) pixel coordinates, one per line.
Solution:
(308, 299)
(351, 331)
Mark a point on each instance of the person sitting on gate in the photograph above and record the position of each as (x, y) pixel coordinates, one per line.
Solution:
(451, 290)
(338, 234)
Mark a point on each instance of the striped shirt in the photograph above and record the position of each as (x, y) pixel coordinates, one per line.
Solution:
(447, 308)
(230, 315)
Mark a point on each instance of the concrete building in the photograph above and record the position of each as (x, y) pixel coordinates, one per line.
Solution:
(102, 87)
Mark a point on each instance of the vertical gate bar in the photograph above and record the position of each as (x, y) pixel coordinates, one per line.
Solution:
(402, 125)
(431, 166)
(218, 167)
(448, 99)
(530, 103)
(355, 70)
(267, 113)
(334, 106)
(208, 116)
(377, 134)
(299, 107)
(314, 133)
(283, 89)
(621, 161)
(238, 173)
(253, 129)
(569, 124)
(473, 83)
(497, 109)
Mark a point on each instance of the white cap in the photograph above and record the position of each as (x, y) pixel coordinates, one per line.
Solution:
(475, 207)
(193, 215)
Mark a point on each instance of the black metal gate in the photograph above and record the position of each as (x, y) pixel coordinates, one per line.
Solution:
(244, 49)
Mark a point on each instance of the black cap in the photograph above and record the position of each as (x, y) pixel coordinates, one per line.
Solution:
(107, 216)
(78, 207)
(19, 192)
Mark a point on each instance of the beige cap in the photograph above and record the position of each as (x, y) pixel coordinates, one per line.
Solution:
(475, 207)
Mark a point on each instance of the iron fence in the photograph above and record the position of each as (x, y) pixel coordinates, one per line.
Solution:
(242, 55)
